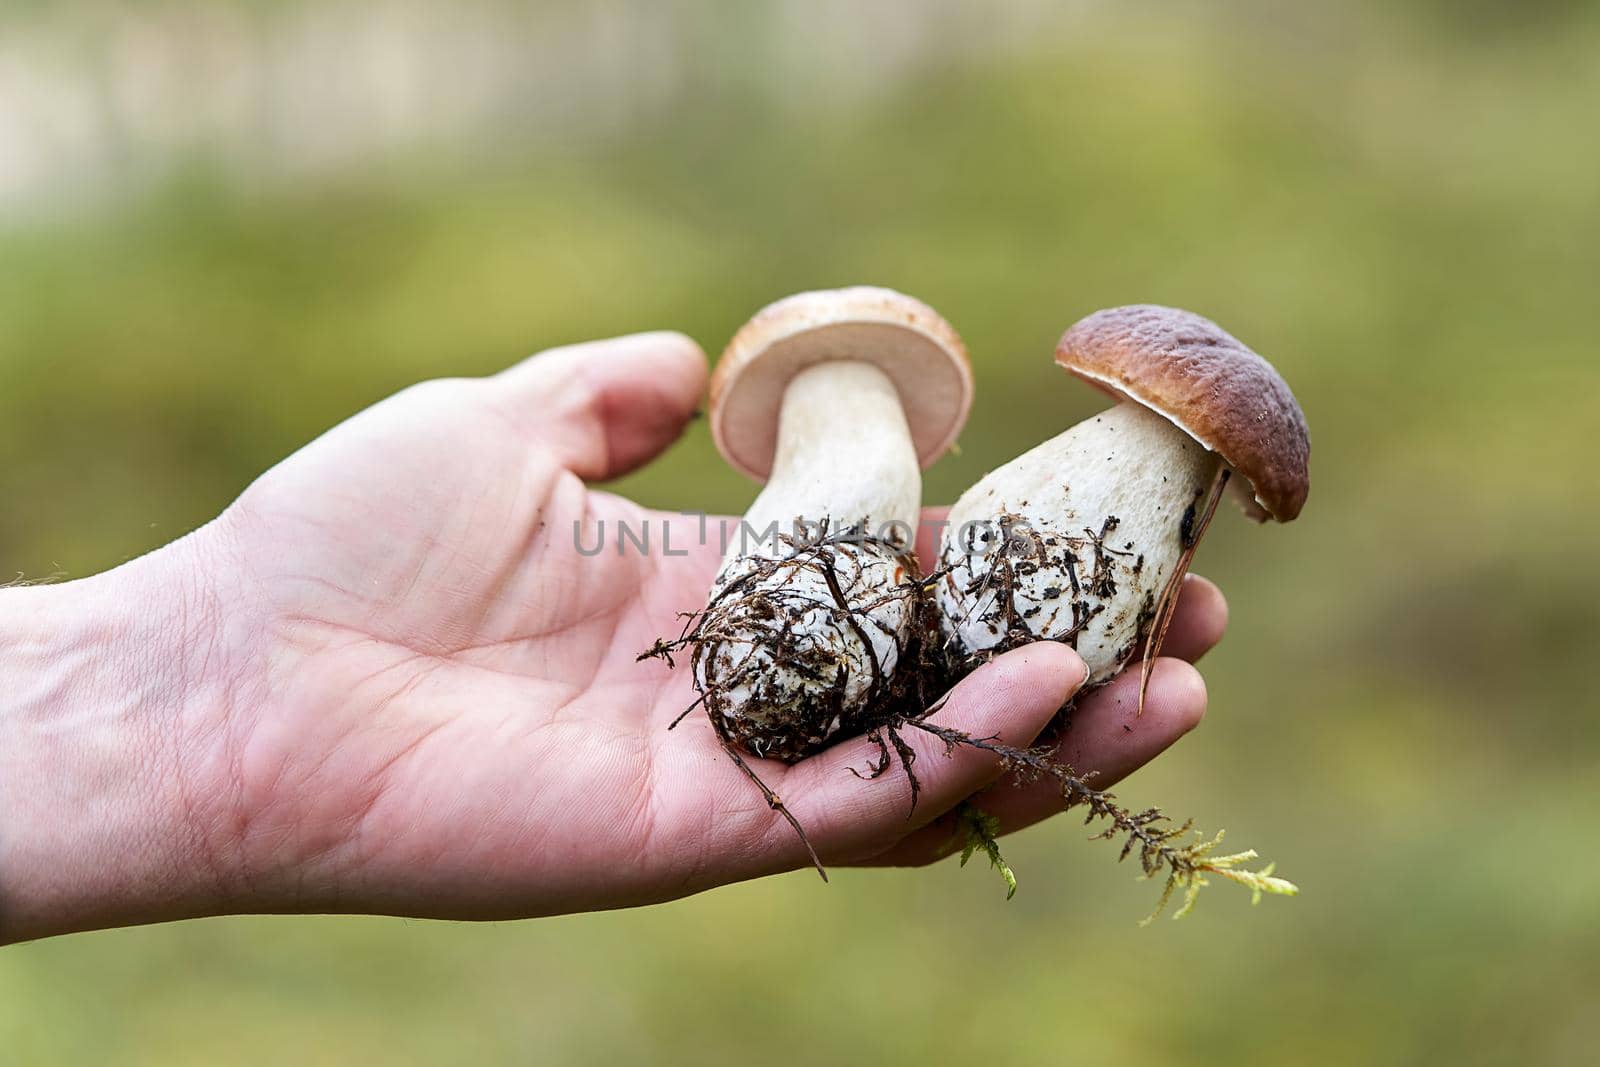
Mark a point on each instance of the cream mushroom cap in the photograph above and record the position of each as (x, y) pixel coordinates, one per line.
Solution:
(1208, 384)
(910, 342)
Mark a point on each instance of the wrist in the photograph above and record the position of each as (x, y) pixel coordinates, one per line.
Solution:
(105, 679)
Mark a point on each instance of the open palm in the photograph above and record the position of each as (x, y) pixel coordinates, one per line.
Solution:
(436, 707)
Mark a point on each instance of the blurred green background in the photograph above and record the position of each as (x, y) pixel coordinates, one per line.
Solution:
(225, 227)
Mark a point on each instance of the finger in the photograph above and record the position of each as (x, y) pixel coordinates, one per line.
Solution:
(1013, 698)
(1106, 735)
(1198, 621)
(606, 407)
(930, 532)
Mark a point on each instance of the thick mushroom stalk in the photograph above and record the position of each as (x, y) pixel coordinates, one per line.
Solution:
(844, 452)
(817, 598)
(1076, 540)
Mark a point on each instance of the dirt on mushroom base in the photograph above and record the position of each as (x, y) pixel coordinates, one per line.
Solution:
(806, 642)
(780, 650)
(749, 625)
(992, 566)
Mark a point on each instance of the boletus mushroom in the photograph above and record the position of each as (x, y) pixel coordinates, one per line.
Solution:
(837, 399)
(813, 629)
(1086, 538)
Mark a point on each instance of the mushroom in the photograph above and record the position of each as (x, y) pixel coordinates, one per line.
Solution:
(837, 399)
(1086, 538)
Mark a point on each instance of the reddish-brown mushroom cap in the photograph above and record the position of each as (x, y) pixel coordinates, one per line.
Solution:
(1210, 385)
(916, 348)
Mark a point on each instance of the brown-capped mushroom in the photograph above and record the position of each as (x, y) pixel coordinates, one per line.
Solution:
(1086, 538)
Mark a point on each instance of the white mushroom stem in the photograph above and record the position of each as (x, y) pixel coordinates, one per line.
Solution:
(844, 454)
(1096, 523)
(791, 654)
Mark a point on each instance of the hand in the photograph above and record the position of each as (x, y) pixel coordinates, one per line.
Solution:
(387, 679)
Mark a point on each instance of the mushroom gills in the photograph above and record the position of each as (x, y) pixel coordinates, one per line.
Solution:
(817, 598)
(1076, 540)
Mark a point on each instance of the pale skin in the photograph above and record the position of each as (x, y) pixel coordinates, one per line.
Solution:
(385, 680)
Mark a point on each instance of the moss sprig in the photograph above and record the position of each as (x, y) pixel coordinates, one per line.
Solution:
(1191, 876)
(980, 831)
(1149, 833)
